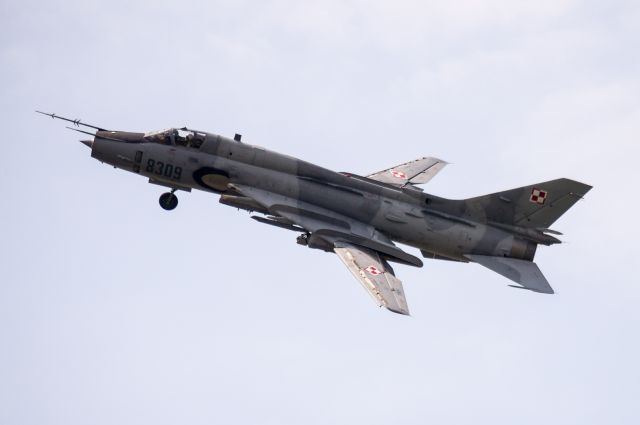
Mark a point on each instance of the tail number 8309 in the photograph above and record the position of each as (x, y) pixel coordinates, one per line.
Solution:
(159, 168)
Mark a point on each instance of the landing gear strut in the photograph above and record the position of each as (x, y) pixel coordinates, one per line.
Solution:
(168, 201)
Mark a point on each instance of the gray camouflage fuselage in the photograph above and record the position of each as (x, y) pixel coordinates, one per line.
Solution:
(357, 218)
(441, 228)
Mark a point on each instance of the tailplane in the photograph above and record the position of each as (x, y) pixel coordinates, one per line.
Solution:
(525, 273)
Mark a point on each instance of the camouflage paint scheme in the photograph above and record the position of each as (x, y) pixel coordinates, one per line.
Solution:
(358, 218)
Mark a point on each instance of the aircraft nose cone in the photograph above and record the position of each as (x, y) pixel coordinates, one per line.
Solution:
(88, 143)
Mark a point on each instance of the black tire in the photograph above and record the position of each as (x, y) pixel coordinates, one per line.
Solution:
(168, 201)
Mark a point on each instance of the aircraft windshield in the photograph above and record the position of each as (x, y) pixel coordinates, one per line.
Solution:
(173, 136)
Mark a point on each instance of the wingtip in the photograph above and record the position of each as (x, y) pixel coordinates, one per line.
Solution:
(398, 311)
(435, 158)
(550, 291)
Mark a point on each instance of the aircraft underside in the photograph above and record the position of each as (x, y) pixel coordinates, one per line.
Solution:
(356, 217)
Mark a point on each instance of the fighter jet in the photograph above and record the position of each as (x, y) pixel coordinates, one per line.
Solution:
(359, 218)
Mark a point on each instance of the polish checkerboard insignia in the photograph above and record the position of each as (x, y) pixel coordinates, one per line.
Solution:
(398, 174)
(373, 270)
(538, 196)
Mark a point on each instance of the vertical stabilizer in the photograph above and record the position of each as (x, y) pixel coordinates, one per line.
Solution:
(536, 206)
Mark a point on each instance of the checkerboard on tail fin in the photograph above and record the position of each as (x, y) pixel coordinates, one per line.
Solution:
(535, 206)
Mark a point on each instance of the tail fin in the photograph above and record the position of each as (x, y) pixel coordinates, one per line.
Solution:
(535, 206)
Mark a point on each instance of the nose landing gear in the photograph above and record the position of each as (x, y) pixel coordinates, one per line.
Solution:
(168, 201)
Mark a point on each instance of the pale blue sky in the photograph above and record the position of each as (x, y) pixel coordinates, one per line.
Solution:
(115, 311)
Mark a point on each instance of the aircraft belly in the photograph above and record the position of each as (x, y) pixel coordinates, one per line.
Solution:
(401, 221)
(345, 202)
(358, 218)
(442, 236)
(459, 240)
(358, 205)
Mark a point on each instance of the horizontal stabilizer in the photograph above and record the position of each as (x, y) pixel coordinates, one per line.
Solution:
(525, 273)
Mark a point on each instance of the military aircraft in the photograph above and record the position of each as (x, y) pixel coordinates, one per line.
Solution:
(356, 217)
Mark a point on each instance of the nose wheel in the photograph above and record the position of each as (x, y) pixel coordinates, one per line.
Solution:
(168, 201)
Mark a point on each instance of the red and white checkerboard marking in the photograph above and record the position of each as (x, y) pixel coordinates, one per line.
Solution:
(398, 174)
(538, 196)
(373, 270)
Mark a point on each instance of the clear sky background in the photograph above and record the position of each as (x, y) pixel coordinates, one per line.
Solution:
(113, 311)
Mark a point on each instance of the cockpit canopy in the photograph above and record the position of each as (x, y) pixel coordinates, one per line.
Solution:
(174, 136)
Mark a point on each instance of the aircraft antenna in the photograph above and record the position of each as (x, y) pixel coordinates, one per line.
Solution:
(75, 122)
